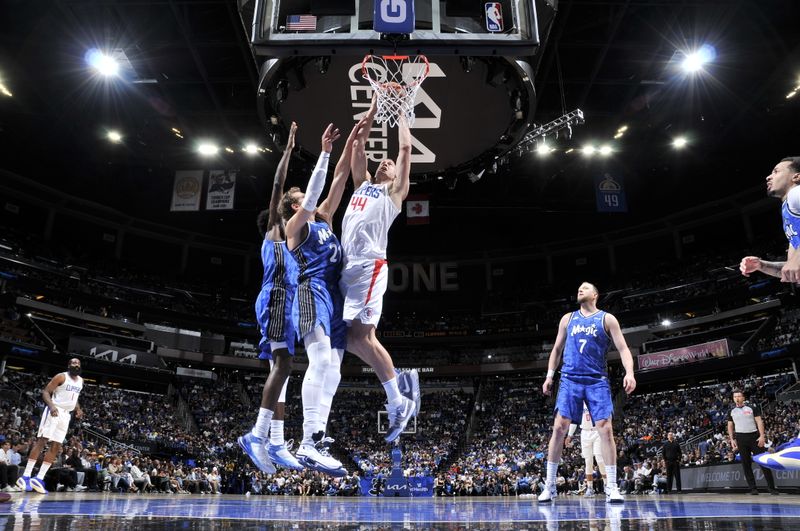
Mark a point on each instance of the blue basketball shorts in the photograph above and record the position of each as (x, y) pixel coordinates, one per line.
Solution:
(575, 390)
(274, 317)
(320, 304)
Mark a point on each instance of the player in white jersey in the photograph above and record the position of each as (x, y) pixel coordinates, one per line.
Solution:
(591, 449)
(373, 207)
(61, 399)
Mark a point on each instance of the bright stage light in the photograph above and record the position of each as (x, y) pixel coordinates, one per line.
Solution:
(543, 149)
(114, 137)
(588, 150)
(207, 149)
(606, 150)
(666, 322)
(250, 149)
(679, 142)
(103, 63)
(695, 61)
(4, 90)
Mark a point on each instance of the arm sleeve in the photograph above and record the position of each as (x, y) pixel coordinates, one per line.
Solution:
(572, 429)
(316, 183)
(793, 200)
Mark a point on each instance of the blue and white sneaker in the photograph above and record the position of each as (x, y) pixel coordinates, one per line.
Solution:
(317, 457)
(549, 493)
(38, 485)
(254, 448)
(24, 483)
(399, 417)
(786, 457)
(408, 382)
(280, 454)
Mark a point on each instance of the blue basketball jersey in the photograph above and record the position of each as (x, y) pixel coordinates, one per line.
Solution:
(319, 257)
(791, 225)
(586, 345)
(279, 265)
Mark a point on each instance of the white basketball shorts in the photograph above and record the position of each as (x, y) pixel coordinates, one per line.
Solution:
(54, 428)
(363, 285)
(590, 444)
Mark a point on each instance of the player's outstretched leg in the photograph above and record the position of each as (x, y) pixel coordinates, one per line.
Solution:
(278, 448)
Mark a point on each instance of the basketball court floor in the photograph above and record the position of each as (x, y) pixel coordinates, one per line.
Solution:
(709, 512)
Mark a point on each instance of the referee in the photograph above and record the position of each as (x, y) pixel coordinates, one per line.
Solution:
(672, 458)
(746, 431)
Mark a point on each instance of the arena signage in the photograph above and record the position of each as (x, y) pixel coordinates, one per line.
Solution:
(100, 351)
(731, 475)
(684, 355)
(418, 277)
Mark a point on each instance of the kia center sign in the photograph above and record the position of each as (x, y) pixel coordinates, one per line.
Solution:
(467, 110)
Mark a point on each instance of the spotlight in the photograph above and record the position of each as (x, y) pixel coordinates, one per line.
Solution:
(622, 129)
(694, 61)
(588, 150)
(207, 149)
(605, 150)
(229, 150)
(679, 142)
(666, 322)
(103, 63)
(4, 90)
(788, 96)
(543, 149)
(250, 149)
(114, 137)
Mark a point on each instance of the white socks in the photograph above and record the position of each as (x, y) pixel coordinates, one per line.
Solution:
(332, 379)
(276, 433)
(43, 470)
(611, 475)
(261, 429)
(29, 468)
(393, 392)
(552, 471)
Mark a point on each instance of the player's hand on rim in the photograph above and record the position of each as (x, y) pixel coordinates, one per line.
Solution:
(750, 264)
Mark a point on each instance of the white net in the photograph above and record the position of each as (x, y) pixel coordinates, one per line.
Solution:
(396, 79)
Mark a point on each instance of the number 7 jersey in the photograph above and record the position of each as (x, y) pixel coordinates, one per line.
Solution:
(365, 228)
(586, 345)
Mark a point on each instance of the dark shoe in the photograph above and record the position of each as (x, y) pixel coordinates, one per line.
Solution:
(754, 492)
(774, 492)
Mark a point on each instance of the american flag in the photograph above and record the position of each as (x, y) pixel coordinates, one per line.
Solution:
(301, 22)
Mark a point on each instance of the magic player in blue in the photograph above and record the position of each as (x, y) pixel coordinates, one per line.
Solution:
(783, 182)
(584, 337)
(265, 444)
(317, 312)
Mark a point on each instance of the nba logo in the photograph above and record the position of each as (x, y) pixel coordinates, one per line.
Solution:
(494, 17)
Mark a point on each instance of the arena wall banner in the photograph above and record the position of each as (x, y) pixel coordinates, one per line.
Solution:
(731, 475)
(419, 487)
(221, 189)
(187, 190)
(684, 355)
(90, 347)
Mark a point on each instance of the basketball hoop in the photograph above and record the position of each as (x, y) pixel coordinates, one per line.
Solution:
(395, 79)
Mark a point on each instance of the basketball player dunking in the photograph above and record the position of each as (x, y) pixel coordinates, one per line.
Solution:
(60, 398)
(274, 315)
(583, 337)
(317, 311)
(375, 204)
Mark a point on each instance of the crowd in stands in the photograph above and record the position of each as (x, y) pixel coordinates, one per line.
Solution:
(492, 443)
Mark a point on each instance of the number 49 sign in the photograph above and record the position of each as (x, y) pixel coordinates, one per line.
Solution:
(610, 194)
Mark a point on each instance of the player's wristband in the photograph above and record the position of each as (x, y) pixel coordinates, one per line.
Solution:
(550, 373)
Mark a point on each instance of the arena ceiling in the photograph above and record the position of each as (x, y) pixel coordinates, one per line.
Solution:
(617, 60)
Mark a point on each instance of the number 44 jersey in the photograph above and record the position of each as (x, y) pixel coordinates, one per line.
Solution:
(365, 228)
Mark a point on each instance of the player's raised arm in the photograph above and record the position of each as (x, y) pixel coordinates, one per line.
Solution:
(555, 354)
(340, 174)
(280, 179)
(359, 156)
(305, 212)
(47, 392)
(614, 330)
(399, 188)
